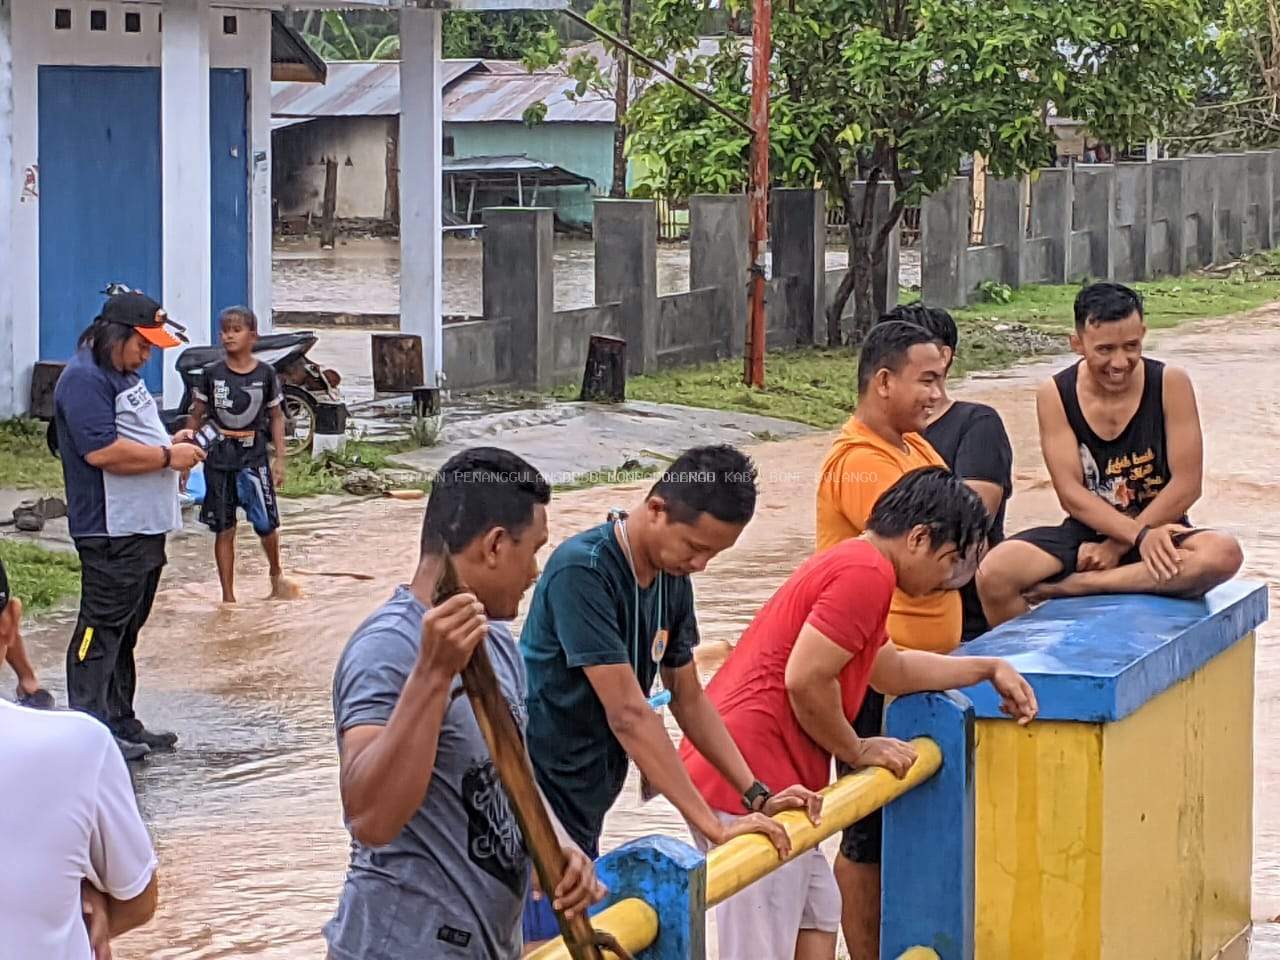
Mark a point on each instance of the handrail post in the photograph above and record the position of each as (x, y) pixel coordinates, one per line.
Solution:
(671, 877)
(927, 868)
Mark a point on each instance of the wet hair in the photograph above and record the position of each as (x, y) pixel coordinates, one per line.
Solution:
(476, 490)
(936, 498)
(1106, 303)
(719, 480)
(934, 319)
(102, 337)
(887, 345)
(246, 317)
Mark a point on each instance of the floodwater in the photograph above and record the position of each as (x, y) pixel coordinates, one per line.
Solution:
(363, 275)
(246, 815)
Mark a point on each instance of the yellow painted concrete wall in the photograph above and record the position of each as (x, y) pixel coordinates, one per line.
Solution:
(1129, 841)
(1038, 843)
(1178, 817)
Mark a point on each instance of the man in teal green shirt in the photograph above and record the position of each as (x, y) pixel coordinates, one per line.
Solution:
(612, 610)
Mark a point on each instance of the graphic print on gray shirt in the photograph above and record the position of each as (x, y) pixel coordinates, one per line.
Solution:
(453, 882)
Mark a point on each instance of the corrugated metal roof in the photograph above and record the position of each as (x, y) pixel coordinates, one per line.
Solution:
(512, 165)
(355, 89)
(504, 97)
(476, 91)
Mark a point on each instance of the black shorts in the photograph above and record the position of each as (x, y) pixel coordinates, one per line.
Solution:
(1063, 543)
(250, 489)
(860, 841)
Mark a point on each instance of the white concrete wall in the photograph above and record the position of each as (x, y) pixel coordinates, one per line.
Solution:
(8, 272)
(35, 42)
(359, 144)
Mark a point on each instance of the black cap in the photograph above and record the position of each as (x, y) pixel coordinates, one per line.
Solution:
(135, 309)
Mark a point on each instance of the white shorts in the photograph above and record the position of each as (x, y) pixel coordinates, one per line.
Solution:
(763, 921)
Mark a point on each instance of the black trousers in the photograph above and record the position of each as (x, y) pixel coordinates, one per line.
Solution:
(118, 581)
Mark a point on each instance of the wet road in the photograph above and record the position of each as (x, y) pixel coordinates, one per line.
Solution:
(246, 815)
(363, 275)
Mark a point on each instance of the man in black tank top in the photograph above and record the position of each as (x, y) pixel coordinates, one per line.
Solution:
(972, 439)
(1121, 437)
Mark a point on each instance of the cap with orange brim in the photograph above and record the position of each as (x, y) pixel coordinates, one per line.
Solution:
(148, 318)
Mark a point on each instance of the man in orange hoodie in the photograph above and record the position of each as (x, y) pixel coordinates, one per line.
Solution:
(901, 371)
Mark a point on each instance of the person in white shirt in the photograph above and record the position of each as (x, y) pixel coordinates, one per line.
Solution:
(79, 868)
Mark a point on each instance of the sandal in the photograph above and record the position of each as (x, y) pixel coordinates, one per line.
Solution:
(42, 699)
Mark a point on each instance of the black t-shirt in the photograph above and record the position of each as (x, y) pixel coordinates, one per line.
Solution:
(972, 439)
(239, 405)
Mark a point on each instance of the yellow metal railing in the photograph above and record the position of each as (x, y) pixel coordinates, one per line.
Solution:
(744, 860)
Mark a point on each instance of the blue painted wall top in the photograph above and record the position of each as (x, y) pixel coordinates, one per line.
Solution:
(1098, 659)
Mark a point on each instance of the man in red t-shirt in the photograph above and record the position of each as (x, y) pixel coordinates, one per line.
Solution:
(790, 690)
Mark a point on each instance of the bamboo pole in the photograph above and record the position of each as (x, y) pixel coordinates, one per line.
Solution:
(506, 747)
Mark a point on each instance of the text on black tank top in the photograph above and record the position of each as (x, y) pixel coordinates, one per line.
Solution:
(1129, 471)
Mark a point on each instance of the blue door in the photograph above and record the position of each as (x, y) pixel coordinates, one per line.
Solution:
(229, 147)
(100, 196)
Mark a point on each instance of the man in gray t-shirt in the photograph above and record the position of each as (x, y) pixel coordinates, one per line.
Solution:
(438, 864)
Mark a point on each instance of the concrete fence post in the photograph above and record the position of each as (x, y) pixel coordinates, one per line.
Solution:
(671, 877)
(1166, 238)
(1233, 192)
(1261, 225)
(944, 237)
(1095, 189)
(1200, 205)
(927, 860)
(627, 273)
(518, 284)
(1051, 198)
(884, 281)
(719, 257)
(798, 242)
(1005, 226)
(1131, 221)
(1274, 166)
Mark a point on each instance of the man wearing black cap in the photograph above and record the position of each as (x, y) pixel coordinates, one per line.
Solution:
(121, 469)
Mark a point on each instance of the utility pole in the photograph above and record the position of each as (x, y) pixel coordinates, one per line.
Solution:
(761, 54)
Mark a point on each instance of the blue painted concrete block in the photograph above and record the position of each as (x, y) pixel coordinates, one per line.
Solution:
(927, 872)
(1098, 659)
(671, 877)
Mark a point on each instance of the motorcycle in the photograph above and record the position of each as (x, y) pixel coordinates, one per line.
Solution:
(305, 384)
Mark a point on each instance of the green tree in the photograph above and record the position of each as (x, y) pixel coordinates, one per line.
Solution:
(902, 91)
(659, 29)
(375, 35)
(1238, 100)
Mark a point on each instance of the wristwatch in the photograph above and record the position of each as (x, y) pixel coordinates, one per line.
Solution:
(755, 797)
(168, 457)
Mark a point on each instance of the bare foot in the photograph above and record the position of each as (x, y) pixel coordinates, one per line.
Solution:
(282, 588)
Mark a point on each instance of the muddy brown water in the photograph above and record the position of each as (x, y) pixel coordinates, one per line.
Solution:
(246, 815)
(363, 274)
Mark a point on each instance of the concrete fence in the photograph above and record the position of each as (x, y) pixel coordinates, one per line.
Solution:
(522, 341)
(1124, 221)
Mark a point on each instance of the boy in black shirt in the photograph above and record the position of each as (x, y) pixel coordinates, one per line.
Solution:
(242, 398)
(971, 438)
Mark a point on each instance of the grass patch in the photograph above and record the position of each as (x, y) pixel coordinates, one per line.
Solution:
(818, 386)
(40, 578)
(25, 461)
(1167, 302)
(308, 477)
